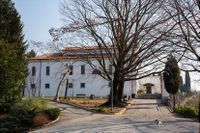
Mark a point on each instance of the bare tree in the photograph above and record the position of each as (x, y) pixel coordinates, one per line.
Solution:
(186, 17)
(33, 86)
(64, 77)
(129, 35)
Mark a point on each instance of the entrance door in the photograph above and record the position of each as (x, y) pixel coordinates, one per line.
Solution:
(148, 88)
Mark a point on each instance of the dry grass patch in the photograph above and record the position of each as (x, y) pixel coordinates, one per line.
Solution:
(92, 104)
(86, 102)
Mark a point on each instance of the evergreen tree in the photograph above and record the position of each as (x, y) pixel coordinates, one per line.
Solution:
(13, 66)
(31, 54)
(181, 85)
(187, 82)
(172, 77)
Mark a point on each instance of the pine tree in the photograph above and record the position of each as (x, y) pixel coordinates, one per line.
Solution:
(172, 77)
(12, 48)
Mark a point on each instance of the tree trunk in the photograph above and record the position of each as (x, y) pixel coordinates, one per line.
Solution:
(58, 89)
(174, 100)
(120, 91)
(66, 89)
(113, 97)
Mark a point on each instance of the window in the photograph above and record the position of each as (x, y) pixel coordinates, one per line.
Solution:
(47, 70)
(82, 69)
(71, 70)
(32, 86)
(47, 86)
(70, 85)
(110, 69)
(82, 85)
(33, 71)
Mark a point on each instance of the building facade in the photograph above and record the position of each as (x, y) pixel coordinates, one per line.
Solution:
(81, 80)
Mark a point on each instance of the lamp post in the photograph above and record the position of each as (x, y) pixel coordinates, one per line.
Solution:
(111, 67)
(112, 91)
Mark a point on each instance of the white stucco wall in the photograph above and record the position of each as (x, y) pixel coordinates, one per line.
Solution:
(155, 80)
(94, 84)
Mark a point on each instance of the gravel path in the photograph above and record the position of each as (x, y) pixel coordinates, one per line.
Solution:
(139, 118)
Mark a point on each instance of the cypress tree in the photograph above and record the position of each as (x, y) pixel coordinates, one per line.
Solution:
(12, 48)
(172, 77)
(187, 82)
(181, 85)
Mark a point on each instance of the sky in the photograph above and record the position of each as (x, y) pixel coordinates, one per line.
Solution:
(38, 16)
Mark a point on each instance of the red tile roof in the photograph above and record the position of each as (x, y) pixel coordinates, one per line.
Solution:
(80, 48)
(69, 53)
(59, 56)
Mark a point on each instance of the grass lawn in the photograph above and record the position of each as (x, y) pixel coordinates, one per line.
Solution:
(92, 104)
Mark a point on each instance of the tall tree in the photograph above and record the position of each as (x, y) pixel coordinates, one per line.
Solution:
(182, 87)
(187, 82)
(128, 34)
(172, 77)
(11, 37)
(31, 54)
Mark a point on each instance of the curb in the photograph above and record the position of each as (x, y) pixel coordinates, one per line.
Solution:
(120, 112)
(52, 122)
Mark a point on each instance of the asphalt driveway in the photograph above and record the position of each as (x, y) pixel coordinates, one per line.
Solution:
(139, 118)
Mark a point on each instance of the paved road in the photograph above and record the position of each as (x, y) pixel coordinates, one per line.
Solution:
(139, 118)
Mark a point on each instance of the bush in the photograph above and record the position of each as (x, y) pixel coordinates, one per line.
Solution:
(187, 111)
(141, 91)
(5, 117)
(53, 113)
(194, 101)
(4, 130)
(26, 110)
(4, 107)
(101, 110)
(92, 96)
(40, 119)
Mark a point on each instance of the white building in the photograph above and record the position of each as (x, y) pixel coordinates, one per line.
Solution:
(46, 71)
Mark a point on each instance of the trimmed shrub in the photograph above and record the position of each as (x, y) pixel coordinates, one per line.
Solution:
(4, 130)
(4, 107)
(101, 110)
(141, 91)
(26, 110)
(92, 96)
(40, 119)
(53, 113)
(187, 111)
